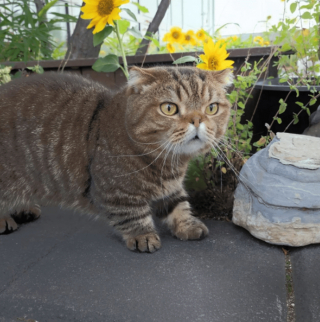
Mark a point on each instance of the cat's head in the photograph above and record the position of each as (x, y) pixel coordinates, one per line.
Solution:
(183, 108)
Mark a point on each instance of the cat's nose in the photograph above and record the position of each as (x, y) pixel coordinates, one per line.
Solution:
(196, 120)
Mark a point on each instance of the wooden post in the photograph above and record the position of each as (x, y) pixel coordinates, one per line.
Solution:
(154, 26)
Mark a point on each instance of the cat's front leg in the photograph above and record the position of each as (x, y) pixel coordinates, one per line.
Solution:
(136, 226)
(177, 215)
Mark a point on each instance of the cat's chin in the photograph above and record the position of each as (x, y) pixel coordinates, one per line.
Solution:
(192, 147)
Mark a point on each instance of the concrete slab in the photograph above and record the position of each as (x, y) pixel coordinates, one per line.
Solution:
(69, 268)
(306, 282)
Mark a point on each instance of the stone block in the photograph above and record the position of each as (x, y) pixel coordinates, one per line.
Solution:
(278, 197)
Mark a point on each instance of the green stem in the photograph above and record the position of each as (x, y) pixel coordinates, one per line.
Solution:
(125, 65)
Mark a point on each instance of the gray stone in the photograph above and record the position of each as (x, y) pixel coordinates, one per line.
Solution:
(278, 197)
(314, 128)
(306, 283)
(65, 267)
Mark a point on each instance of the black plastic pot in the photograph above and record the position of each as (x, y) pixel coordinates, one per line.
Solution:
(271, 92)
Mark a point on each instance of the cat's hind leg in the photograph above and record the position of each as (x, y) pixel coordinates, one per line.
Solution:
(10, 222)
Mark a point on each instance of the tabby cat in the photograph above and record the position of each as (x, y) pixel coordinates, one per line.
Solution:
(68, 141)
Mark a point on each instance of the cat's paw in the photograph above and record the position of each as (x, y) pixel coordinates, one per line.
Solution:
(27, 215)
(144, 243)
(191, 228)
(7, 225)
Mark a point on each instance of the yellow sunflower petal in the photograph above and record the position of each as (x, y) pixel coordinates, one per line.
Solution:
(87, 15)
(100, 25)
(93, 22)
(118, 3)
(204, 58)
(209, 46)
(203, 66)
(93, 2)
(226, 64)
(114, 16)
(89, 6)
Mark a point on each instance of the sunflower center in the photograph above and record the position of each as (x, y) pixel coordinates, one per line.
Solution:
(213, 63)
(105, 7)
(200, 34)
(175, 35)
(187, 37)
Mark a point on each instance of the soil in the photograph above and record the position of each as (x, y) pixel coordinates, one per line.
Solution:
(216, 201)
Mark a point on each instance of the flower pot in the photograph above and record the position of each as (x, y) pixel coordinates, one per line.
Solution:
(271, 92)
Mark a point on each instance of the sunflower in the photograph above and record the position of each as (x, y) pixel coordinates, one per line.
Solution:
(259, 40)
(305, 32)
(201, 35)
(189, 38)
(170, 48)
(175, 35)
(214, 57)
(101, 12)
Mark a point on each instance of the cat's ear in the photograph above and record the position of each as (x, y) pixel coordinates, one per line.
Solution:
(139, 79)
(225, 77)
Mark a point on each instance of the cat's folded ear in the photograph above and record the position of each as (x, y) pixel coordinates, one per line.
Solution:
(225, 77)
(140, 79)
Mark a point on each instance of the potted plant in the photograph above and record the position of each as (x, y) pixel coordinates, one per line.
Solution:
(287, 101)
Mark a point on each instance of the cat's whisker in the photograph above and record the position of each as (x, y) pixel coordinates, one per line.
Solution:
(142, 143)
(238, 175)
(227, 145)
(138, 155)
(145, 166)
(163, 164)
(172, 161)
(238, 153)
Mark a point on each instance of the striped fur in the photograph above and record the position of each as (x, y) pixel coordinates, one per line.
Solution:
(71, 142)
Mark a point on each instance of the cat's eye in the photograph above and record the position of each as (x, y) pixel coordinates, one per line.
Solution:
(212, 109)
(169, 108)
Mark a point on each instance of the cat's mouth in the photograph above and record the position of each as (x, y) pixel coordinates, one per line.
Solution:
(195, 138)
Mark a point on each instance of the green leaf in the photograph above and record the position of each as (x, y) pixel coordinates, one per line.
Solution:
(37, 69)
(141, 8)
(240, 104)
(308, 6)
(44, 10)
(312, 102)
(239, 126)
(17, 75)
(135, 33)
(65, 17)
(185, 59)
(282, 107)
(226, 24)
(308, 111)
(293, 7)
(99, 37)
(154, 40)
(123, 25)
(130, 13)
(261, 142)
(109, 63)
(306, 15)
(299, 103)
(279, 120)
(282, 80)
(296, 118)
